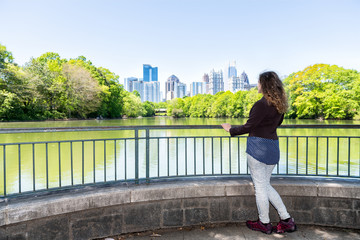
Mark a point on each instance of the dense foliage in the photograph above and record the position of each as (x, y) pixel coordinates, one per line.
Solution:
(50, 87)
(323, 91)
(222, 104)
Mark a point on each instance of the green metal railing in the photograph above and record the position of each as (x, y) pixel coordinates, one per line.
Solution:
(145, 155)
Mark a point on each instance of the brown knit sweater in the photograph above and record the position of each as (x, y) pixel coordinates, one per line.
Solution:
(263, 121)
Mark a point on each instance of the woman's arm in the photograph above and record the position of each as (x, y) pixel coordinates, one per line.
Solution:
(226, 126)
(257, 114)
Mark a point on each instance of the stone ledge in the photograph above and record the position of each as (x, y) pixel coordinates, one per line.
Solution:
(31, 208)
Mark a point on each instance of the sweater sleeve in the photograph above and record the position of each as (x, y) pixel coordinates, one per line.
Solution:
(257, 114)
(281, 119)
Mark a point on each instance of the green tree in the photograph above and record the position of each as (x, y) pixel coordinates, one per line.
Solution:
(149, 109)
(17, 94)
(136, 93)
(45, 76)
(160, 105)
(112, 92)
(10, 106)
(201, 105)
(322, 91)
(5, 57)
(175, 108)
(220, 107)
(83, 92)
(133, 106)
(236, 108)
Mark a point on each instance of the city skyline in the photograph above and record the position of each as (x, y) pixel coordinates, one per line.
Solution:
(147, 68)
(186, 38)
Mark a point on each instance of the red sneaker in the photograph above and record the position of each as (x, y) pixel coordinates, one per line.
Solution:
(285, 226)
(259, 226)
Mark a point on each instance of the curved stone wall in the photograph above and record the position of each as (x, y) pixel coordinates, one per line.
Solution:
(99, 211)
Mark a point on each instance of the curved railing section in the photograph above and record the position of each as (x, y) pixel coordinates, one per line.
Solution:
(143, 153)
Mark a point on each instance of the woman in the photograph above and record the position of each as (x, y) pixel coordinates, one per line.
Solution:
(263, 151)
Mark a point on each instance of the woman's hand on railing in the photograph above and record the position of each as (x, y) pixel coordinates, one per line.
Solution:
(226, 126)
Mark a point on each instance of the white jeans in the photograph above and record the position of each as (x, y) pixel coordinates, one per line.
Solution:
(264, 192)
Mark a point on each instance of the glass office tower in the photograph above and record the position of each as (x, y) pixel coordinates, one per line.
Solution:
(150, 74)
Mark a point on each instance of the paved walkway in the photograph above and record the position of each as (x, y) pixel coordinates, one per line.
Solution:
(240, 231)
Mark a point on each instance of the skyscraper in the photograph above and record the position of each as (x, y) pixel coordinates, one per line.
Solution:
(197, 88)
(239, 83)
(244, 77)
(235, 84)
(150, 74)
(206, 83)
(216, 82)
(232, 72)
(148, 86)
(129, 83)
(170, 87)
(179, 90)
(151, 85)
(151, 91)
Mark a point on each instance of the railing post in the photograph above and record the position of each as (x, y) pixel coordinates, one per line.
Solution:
(136, 156)
(19, 148)
(4, 152)
(147, 155)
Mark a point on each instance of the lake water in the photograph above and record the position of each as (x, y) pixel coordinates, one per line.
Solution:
(97, 161)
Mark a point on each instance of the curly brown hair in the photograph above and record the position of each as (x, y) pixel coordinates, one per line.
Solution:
(273, 90)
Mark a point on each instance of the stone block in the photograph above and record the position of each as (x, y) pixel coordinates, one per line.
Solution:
(357, 219)
(91, 213)
(243, 202)
(16, 237)
(335, 203)
(196, 216)
(304, 203)
(172, 204)
(173, 218)
(2, 216)
(57, 228)
(92, 227)
(338, 190)
(244, 214)
(249, 202)
(22, 213)
(57, 206)
(244, 188)
(205, 191)
(346, 218)
(3, 234)
(110, 198)
(287, 187)
(288, 201)
(356, 205)
(273, 214)
(219, 210)
(26, 211)
(117, 224)
(302, 217)
(236, 202)
(17, 231)
(196, 202)
(141, 217)
(325, 216)
(114, 210)
(155, 194)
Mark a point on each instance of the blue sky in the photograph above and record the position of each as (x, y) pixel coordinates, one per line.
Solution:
(186, 38)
